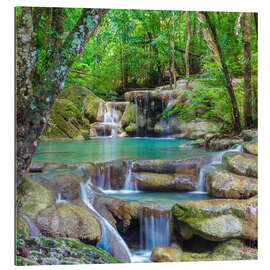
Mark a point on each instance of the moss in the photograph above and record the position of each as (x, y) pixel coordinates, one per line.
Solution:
(46, 250)
(33, 197)
(128, 115)
(91, 105)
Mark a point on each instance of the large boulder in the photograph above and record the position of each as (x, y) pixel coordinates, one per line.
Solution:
(224, 184)
(164, 182)
(219, 144)
(32, 197)
(195, 129)
(105, 129)
(68, 220)
(189, 166)
(250, 134)
(251, 148)
(217, 220)
(70, 115)
(241, 163)
(166, 254)
(234, 249)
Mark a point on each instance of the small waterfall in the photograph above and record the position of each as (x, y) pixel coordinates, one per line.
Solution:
(200, 187)
(136, 115)
(59, 198)
(110, 241)
(103, 178)
(154, 228)
(111, 118)
(128, 182)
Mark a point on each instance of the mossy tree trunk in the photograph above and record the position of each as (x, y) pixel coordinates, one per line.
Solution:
(246, 23)
(35, 95)
(211, 38)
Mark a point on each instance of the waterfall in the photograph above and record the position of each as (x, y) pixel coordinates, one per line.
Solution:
(128, 182)
(154, 228)
(103, 178)
(110, 241)
(59, 198)
(200, 186)
(111, 118)
(136, 115)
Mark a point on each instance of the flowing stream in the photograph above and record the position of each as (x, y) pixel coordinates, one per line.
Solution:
(111, 240)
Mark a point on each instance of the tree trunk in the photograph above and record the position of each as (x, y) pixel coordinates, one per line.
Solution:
(187, 48)
(32, 108)
(170, 57)
(173, 53)
(214, 46)
(247, 36)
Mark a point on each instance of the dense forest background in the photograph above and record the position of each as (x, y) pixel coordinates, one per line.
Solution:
(147, 48)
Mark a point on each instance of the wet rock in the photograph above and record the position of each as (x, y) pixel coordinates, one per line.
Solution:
(251, 148)
(104, 129)
(241, 163)
(196, 129)
(224, 184)
(234, 249)
(217, 220)
(219, 144)
(91, 106)
(68, 220)
(164, 182)
(36, 167)
(189, 166)
(249, 134)
(128, 115)
(119, 212)
(199, 143)
(166, 254)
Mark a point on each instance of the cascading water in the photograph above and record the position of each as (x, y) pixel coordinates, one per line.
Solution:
(200, 187)
(128, 182)
(154, 228)
(103, 179)
(59, 198)
(110, 241)
(111, 119)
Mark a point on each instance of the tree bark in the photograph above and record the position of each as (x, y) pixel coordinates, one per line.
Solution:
(247, 36)
(218, 55)
(32, 109)
(187, 48)
(170, 57)
(173, 53)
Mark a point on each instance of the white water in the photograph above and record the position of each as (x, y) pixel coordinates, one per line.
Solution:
(59, 198)
(88, 195)
(200, 186)
(103, 178)
(111, 118)
(154, 230)
(129, 186)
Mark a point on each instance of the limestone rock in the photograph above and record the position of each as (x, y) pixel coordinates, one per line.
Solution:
(251, 148)
(250, 134)
(33, 197)
(166, 254)
(241, 163)
(68, 220)
(219, 144)
(224, 184)
(218, 220)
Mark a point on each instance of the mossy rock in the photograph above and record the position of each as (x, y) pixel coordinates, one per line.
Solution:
(71, 113)
(61, 251)
(131, 128)
(217, 220)
(241, 163)
(33, 197)
(68, 220)
(224, 184)
(128, 115)
(91, 105)
(234, 249)
(21, 226)
(251, 148)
